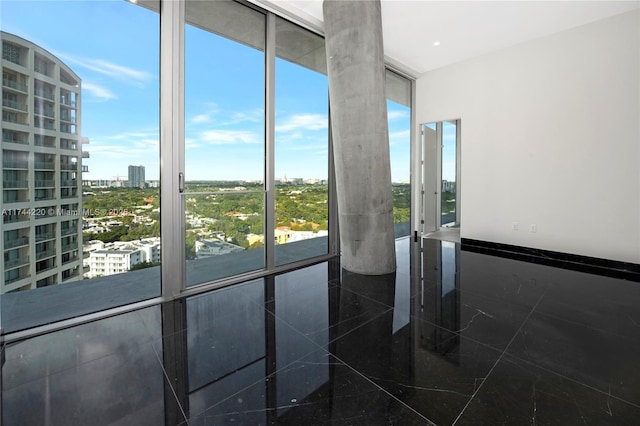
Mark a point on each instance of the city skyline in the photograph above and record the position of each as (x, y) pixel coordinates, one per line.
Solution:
(120, 91)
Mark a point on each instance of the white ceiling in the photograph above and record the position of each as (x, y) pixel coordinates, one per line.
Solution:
(465, 29)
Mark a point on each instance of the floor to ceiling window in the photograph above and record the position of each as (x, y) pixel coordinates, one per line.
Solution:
(80, 159)
(399, 119)
(84, 152)
(224, 196)
(301, 144)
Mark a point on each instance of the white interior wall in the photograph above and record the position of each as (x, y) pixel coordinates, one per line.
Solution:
(550, 136)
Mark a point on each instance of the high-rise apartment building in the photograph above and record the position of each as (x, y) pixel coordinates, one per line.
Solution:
(41, 168)
(136, 177)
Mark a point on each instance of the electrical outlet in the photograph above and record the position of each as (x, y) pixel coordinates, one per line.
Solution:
(515, 226)
(534, 228)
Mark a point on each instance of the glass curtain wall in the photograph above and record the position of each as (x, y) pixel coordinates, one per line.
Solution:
(224, 197)
(399, 119)
(81, 154)
(80, 89)
(301, 145)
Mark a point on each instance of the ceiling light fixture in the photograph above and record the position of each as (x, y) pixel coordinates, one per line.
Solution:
(436, 43)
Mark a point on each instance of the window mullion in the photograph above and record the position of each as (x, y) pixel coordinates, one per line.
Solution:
(270, 203)
(172, 146)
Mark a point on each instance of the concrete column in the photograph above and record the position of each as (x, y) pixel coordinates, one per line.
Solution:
(355, 65)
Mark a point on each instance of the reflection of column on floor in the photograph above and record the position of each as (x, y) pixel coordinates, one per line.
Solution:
(355, 67)
(441, 311)
(371, 348)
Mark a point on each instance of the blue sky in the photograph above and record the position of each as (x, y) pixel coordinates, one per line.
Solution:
(114, 47)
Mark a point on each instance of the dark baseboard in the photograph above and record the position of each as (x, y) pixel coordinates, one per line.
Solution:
(592, 265)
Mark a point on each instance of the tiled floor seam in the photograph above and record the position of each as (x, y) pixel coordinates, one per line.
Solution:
(579, 324)
(577, 382)
(497, 361)
(318, 347)
(364, 376)
(169, 381)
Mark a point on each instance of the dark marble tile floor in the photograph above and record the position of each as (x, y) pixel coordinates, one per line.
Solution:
(460, 338)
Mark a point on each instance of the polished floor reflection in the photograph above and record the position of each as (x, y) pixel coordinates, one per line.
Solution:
(461, 338)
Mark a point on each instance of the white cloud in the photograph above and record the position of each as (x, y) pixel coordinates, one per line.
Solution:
(211, 113)
(142, 144)
(223, 137)
(303, 121)
(102, 93)
(400, 137)
(135, 135)
(255, 116)
(314, 146)
(210, 109)
(111, 69)
(201, 118)
(190, 143)
(393, 115)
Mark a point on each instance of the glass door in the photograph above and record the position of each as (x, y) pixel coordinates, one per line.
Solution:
(440, 175)
(448, 174)
(430, 181)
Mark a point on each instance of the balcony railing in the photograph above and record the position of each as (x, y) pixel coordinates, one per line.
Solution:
(44, 198)
(45, 142)
(71, 275)
(18, 278)
(17, 242)
(15, 184)
(68, 231)
(15, 164)
(46, 215)
(47, 94)
(46, 268)
(46, 113)
(13, 118)
(10, 137)
(45, 253)
(14, 85)
(64, 100)
(72, 182)
(15, 105)
(15, 200)
(13, 218)
(70, 259)
(16, 263)
(45, 236)
(45, 125)
(67, 145)
(45, 183)
(45, 165)
(69, 247)
(68, 119)
(70, 166)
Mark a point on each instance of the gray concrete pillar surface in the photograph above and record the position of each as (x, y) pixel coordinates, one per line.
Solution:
(355, 66)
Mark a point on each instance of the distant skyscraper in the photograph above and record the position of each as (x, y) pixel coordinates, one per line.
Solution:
(41, 168)
(136, 177)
